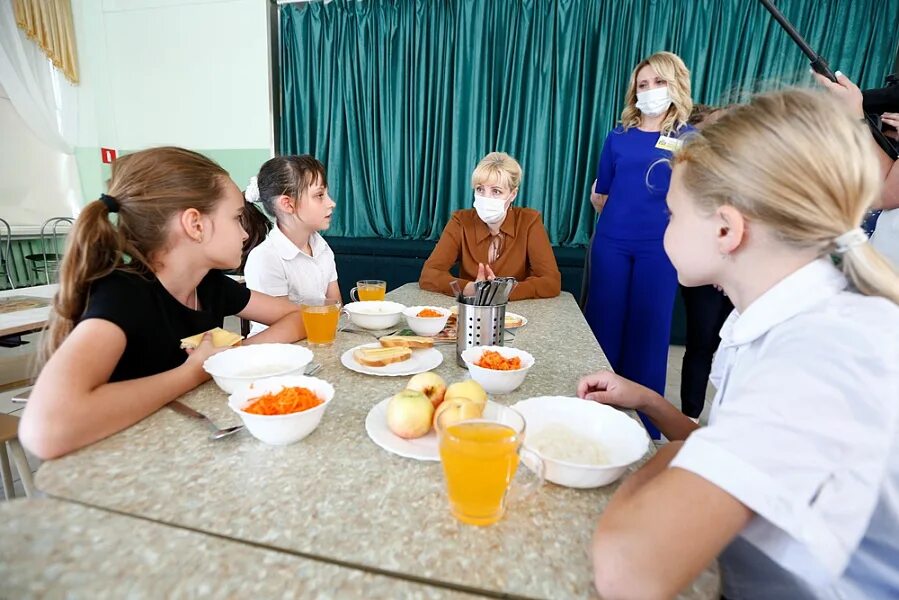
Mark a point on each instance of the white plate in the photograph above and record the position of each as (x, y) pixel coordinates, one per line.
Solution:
(423, 448)
(423, 359)
(524, 320)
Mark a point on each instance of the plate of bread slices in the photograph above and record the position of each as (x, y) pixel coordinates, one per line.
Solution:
(393, 356)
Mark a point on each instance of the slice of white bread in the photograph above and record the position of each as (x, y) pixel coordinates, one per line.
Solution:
(381, 357)
(406, 341)
(513, 321)
(221, 338)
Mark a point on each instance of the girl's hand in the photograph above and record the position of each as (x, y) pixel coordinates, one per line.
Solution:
(606, 387)
(597, 200)
(197, 356)
(485, 273)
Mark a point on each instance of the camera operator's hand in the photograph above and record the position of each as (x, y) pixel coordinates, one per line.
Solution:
(891, 119)
(846, 92)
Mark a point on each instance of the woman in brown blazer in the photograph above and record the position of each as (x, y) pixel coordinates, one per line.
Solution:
(494, 239)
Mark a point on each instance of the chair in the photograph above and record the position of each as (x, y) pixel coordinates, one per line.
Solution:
(5, 249)
(9, 444)
(50, 256)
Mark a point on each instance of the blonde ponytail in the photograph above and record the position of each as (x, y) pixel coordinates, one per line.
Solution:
(870, 273)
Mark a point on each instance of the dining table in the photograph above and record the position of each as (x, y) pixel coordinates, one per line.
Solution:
(339, 499)
(25, 310)
(56, 549)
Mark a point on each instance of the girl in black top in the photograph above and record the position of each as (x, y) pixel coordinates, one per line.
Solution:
(131, 287)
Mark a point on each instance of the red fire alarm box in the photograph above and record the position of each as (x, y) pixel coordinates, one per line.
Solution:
(107, 155)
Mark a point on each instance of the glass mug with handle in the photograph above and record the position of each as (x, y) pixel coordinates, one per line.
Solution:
(368, 290)
(480, 457)
(320, 320)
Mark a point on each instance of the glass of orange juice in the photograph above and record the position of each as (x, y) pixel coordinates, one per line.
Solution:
(320, 319)
(480, 457)
(368, 289)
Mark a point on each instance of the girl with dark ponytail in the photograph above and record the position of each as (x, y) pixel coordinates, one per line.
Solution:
(294, 260)
(143, 269)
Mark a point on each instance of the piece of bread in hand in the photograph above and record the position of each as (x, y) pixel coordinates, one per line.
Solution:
(381, 357)
(406, 341)
(221, 338)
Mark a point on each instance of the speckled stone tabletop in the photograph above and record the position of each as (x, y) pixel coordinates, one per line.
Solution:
(57, 549)
(338, 495)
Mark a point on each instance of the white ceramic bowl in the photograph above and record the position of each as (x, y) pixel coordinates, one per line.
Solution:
(375, 314)
(623, 439)
(241, 366)
(280, 430)
(426, 326)
(493, 381)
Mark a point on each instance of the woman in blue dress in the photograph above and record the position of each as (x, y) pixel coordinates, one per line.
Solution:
(632, 282)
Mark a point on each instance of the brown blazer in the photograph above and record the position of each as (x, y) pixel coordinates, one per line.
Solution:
(526, 254)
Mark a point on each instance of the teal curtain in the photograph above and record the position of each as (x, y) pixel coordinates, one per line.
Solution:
(401, 98)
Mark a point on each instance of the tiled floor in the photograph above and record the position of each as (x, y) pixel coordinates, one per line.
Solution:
(15, 365)
(672, 387)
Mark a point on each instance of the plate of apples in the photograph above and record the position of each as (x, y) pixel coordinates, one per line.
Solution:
(404, 423)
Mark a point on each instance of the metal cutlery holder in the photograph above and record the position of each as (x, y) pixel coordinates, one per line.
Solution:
(479, 326)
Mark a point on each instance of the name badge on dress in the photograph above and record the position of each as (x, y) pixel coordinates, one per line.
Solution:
(671, 144)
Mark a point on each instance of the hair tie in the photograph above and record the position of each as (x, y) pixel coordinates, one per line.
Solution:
(850, 239)
(251, 194)
(112, 205)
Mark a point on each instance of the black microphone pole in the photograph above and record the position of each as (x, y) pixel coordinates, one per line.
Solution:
(820, 66)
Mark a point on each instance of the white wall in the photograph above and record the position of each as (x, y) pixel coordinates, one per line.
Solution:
(190, 73)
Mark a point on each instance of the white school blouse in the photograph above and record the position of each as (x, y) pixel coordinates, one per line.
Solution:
(278, 268)
(804, 431)
(886, 236)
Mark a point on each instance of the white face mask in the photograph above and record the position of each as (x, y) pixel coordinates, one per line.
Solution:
(490, 210)
(654, 102)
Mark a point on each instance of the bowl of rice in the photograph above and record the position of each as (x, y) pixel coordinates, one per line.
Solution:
(583, 444)
(238, 367)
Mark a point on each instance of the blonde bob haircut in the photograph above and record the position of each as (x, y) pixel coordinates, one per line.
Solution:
(672, 69)
(497, 167)
(771, 160)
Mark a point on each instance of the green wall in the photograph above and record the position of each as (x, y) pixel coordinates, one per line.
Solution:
(240, 163)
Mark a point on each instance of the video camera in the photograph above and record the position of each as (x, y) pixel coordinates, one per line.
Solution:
(885, 99)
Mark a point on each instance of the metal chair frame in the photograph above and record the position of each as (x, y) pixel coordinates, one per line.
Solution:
(50, 236)
(5, 250)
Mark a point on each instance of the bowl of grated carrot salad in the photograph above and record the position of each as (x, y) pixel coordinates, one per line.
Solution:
(491, 359)
(426, 320)
(499, 369)
(282, 410)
